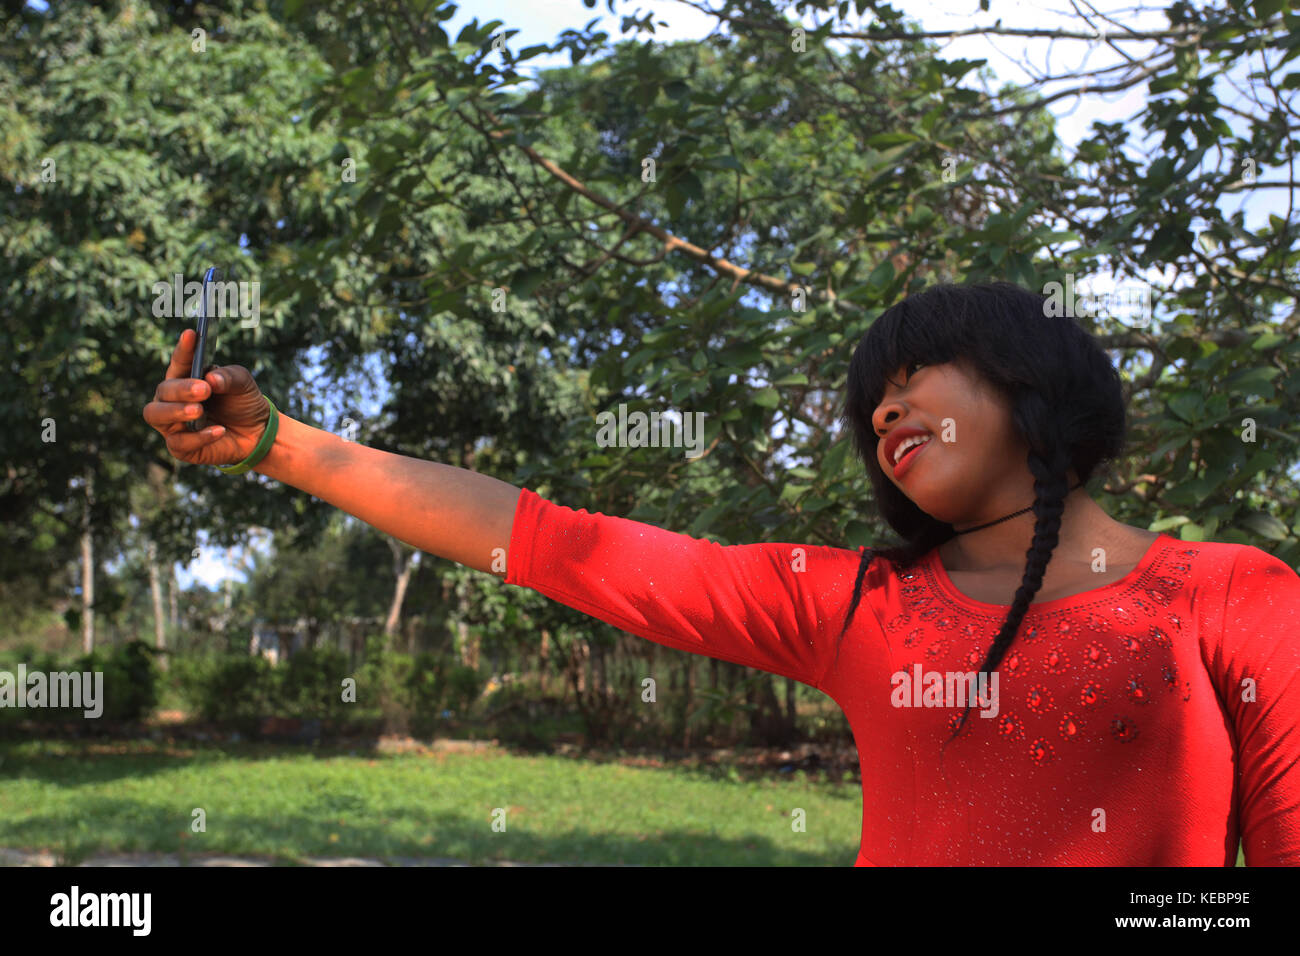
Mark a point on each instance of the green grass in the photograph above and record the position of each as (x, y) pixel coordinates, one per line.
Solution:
(283, 804)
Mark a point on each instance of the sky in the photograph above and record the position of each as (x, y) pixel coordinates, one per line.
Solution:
(542, 21)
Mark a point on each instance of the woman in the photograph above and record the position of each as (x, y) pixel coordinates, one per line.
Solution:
(1136, 703)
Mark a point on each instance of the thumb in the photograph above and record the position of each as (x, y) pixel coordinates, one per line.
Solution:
(215, 378)
(231, 380)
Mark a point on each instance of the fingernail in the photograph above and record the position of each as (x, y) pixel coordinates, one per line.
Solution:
(218, 380)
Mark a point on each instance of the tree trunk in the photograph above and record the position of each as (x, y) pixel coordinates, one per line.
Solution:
(173, 601)
(791, 712)
(600, 685)
(470, 642)
(581, 654)
(412, 625)
(688, 696)
(404, 562)
(543, 658)
(155, 588)
(766, 721)
(88, 571)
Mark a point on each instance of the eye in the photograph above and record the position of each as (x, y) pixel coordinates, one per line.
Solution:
(907, 372)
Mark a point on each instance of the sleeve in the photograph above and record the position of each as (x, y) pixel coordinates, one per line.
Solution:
(758, 605)
(1260, 643)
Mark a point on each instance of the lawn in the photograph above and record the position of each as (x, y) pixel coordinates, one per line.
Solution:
(77, 799)
(285, 804)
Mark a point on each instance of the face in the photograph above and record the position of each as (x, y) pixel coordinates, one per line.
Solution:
(973, 468)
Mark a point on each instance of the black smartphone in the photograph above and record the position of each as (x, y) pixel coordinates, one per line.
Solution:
(205, 348)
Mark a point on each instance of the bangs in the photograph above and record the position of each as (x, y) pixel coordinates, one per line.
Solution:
(901, 335)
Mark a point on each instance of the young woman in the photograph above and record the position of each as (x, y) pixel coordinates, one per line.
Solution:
(1138, 699)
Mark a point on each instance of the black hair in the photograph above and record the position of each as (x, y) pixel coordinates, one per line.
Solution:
(1063, 390)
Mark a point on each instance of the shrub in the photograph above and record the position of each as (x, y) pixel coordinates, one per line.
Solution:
(310, 684)
(233, 689)
(129, 683)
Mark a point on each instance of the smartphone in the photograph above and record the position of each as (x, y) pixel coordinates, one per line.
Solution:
(206, 345)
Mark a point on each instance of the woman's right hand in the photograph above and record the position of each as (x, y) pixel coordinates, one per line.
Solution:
(237, 411)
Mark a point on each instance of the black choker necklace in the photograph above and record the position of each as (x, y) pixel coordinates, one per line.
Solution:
(1012, 515)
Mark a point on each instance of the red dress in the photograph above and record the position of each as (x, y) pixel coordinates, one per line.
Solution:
(1153, 721)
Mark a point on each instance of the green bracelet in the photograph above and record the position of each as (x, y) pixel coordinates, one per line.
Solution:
(263, 446)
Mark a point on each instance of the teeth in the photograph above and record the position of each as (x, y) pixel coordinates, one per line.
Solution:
(907, 443)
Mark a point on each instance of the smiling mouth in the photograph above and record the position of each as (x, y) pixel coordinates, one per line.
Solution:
(910, 454)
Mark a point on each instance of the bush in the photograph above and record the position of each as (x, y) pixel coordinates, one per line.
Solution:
(129, 684)
(384, 685)
(35, 661)
(233, 689)
(521, 714)
(311, 684)
(411, 693)
(130, 679)
(408, 694)
(464, 685)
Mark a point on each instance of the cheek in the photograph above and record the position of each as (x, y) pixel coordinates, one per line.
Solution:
(985, 435)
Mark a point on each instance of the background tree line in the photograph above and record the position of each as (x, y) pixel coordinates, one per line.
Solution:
(693, 226)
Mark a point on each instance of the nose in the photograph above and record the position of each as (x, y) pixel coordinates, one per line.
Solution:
(887, 412)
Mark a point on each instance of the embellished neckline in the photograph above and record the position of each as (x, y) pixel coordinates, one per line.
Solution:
(952, 592)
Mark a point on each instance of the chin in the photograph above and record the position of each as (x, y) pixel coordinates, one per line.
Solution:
(939, 510)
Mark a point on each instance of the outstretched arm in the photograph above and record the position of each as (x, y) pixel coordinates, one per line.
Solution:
(768, 606)
(451, 512)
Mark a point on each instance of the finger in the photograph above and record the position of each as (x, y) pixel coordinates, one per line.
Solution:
(177, 385)
(184, 443)
(216, 378)
(182, 361)
(162, 414)
(182, 390)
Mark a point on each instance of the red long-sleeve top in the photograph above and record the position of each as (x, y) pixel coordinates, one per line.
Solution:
(1154, 721)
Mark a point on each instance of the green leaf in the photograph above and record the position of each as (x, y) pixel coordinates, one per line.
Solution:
(1187, 406)
(833, 463)
(881, 276)
(1266, 526)
(691, 186)
(857, 534)
(1255, 381)
(527, 282)
(675, 199)
(726, 162)
(767, 398)
(882, 140)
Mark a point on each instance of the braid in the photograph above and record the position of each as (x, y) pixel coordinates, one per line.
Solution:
(931, 534)
(867, 555)
(1050, 486)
